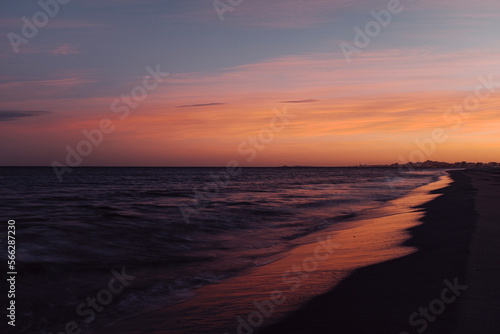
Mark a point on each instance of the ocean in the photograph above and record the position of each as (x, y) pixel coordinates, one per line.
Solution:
(78, 238)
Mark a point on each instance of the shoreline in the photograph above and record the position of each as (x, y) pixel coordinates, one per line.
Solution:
(387, 297)
(223, 307)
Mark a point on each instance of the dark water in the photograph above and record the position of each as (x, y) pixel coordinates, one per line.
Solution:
(72, 235)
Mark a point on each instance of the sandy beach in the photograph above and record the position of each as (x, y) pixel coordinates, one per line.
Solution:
(423, 263)
(481, 302)
(457, 250)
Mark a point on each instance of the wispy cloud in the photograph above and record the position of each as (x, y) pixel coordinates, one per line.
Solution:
(17, 23)
(300, 101)
(65, 49)
(75, 24)
(264, 14)
(59, 85)
(54, 49)
(12, 115)
(201, 105)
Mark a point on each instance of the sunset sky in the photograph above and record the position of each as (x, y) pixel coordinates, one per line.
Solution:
(228, 79)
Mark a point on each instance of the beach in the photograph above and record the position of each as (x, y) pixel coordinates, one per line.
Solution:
(408, 267)
(457, 242)
(481, 306)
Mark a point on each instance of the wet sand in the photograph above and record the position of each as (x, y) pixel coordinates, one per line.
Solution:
(379, 275)
(410, 294)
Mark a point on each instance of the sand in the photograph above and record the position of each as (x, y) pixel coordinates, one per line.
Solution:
(368, 275)
(480, 310)
(458, 241)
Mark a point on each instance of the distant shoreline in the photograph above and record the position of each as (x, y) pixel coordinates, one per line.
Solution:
(358, 166)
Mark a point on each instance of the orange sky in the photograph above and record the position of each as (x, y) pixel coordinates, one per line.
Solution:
(372, 110)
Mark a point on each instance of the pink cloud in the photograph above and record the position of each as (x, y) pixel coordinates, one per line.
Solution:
(319, 76)
(65, 49)
(19, 94)
(61, 49)
(383, 100)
